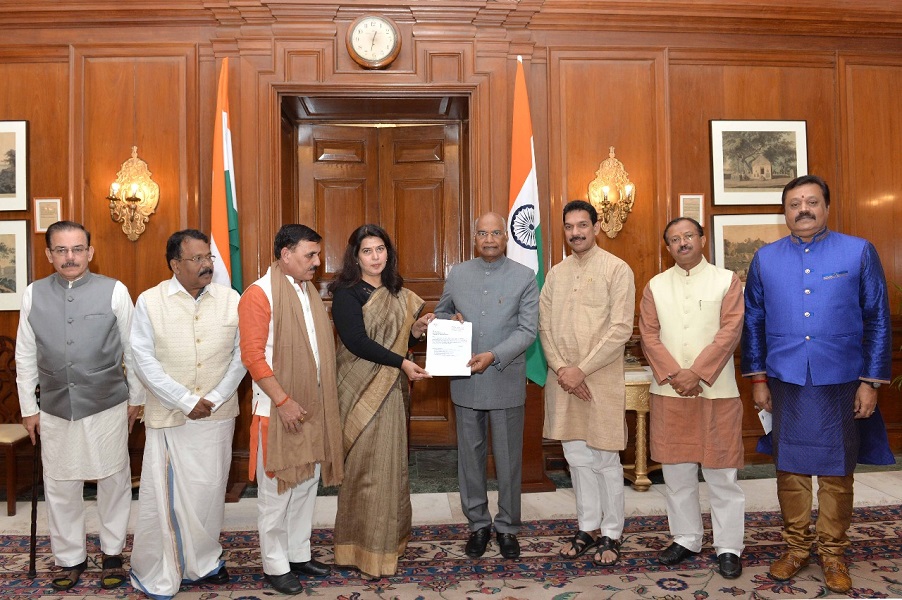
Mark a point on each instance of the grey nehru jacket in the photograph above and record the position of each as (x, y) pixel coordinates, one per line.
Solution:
(501, 299)
(79, 351)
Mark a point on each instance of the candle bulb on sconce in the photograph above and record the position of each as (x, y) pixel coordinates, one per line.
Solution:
(133, 207)
(612, 181)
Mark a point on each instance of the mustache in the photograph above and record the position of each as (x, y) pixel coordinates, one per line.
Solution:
(205, 271)
(69, 264)
(685, 247)
(804, 215)
(577, 238)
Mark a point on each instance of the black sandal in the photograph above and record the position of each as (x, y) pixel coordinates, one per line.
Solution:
(606, 544)
(112, 574)
(69, 577)
(581, 542)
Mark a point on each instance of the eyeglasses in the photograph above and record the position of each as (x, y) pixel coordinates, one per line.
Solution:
(199, 259)
(685, 238)
(63, 251)
(484, 234)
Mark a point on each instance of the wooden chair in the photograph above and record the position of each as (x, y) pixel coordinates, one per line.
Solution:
(12, 434)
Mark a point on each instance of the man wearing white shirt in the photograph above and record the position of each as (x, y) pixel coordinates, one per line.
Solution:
(73, 340)
(185, 343)
(288, 348)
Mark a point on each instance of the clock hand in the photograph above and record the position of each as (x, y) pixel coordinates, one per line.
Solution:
(375, 33)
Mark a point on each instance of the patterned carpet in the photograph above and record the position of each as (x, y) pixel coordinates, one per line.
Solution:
(434, 566)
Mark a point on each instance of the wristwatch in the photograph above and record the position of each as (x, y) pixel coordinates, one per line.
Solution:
(874, 384)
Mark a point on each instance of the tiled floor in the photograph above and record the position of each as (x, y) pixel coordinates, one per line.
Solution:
(871, 489)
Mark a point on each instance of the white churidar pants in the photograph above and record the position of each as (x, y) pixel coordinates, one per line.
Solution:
(598, 485)
(285, 521)
(181, 505)
(684, 511)
(66, 514)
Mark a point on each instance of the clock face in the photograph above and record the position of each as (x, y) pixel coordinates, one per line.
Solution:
(373, 42)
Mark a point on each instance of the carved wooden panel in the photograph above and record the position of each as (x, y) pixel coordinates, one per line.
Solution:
(624, 111)
(406, 179)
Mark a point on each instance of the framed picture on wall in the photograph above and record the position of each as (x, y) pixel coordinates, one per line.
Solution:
(753, 160)
(15, 263)
(13, 165)
(46, 213)
(737, 237)
(693, 206)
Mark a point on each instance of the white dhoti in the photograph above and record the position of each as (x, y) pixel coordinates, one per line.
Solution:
(598, 485)
(684, 510)
(284, 521)
(181, 505)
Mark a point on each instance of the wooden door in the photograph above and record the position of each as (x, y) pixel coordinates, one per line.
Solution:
(406, 179)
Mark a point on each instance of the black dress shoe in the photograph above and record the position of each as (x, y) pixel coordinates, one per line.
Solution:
(510, 547)
(312, 568)
(729, 564)
(220, 577)
(478, 542)
(286, 583)
(674, 554)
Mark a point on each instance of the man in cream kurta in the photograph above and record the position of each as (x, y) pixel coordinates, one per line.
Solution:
(185, 342)
(73, 339)
(690, 321)
(585, 319)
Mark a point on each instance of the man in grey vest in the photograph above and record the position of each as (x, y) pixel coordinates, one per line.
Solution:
(73, 340)
(501, 299)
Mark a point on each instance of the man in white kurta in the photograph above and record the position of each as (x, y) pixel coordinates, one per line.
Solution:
(288, 348)
(585, 319)
(690, 321)
(185, 343)
(73, 339)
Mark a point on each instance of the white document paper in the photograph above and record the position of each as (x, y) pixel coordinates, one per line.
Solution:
(767, 420)
(449, 347)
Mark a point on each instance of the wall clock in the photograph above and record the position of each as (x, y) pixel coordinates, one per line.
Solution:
(373, 41)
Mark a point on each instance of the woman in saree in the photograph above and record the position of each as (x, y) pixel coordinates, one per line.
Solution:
(377, 321)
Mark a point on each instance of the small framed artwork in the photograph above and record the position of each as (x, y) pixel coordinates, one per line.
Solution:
(15, 263)
(13, 165)
(738, 237)
(46, 213)
(693, 206)
(753, 160)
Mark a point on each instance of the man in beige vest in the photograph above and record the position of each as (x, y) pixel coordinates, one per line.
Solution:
(690, 319)
(185, 342)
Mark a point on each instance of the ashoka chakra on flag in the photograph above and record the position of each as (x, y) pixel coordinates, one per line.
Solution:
(523, 226)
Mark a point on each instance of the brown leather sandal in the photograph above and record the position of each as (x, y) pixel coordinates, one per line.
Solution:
(69, 577)
(112, 574)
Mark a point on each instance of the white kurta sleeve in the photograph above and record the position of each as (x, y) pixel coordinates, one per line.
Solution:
(123, 308)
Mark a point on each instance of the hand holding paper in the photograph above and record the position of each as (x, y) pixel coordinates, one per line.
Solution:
(449, 347)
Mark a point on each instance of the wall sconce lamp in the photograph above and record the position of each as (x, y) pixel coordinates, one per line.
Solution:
(612, 194)
(133, 196)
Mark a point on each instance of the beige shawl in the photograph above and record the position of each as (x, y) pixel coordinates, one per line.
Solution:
(292, 458)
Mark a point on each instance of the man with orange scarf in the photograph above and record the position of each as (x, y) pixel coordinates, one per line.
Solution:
(288, 348)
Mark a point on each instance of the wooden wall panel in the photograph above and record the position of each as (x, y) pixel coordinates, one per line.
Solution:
(151, 111)
(602, 99)
(702, 88)
(872, 127)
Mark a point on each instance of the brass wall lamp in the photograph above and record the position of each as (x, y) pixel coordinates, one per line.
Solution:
(133, 196)
(612, 194)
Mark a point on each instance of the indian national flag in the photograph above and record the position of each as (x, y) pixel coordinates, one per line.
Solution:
(224, 238)
(525, 245)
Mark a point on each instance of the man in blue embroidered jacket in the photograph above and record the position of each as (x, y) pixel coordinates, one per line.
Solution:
(816, 343)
